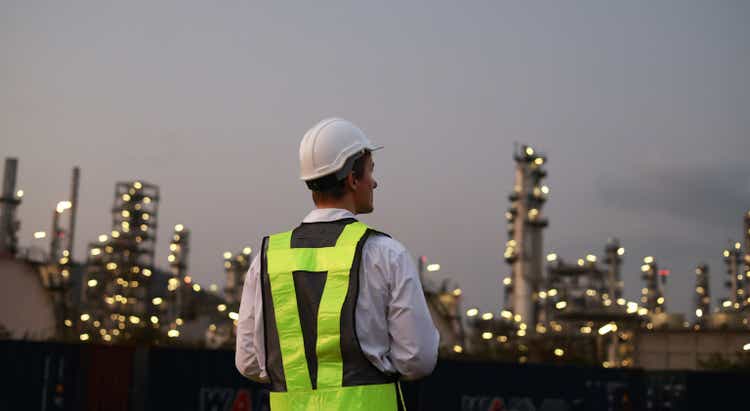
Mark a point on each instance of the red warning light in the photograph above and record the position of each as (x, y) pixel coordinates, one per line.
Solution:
(664, 273)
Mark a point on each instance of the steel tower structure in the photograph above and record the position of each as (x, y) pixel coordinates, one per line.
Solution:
(526, 222)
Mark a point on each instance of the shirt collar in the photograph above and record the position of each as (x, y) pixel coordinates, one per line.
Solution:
(327, 214)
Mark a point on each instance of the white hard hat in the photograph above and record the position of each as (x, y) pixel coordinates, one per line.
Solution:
(327, 146)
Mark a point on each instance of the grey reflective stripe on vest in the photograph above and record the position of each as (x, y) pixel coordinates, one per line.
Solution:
(357, 369)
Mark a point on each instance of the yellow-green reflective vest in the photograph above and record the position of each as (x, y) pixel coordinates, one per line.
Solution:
(309, 281)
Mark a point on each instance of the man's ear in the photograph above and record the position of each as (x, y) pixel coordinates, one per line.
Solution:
(351, 181)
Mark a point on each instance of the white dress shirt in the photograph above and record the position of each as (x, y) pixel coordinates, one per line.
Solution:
(393, 324)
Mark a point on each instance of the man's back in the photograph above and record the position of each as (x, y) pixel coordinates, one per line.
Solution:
(392, 323)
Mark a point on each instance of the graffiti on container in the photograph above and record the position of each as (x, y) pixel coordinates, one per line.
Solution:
(225, 399)
(487, 403)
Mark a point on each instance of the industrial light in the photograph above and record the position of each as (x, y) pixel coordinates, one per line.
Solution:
(92, 283)
(620, 251)
(221, 307)
(433, 267)
(63, 205)
(40, 234)
(648, 260)
(227, 255)
(233, 315)
(559, 352)
(19, 193)
(561, 305)
(157, 300)
(486, 335)
(591, 258)
(487, 316)
(173, 333)
(458, 349)
(551, 257)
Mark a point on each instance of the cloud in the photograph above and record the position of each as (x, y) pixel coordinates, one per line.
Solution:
(713, 195)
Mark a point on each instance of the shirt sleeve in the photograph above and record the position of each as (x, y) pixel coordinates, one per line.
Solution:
(250, 354)
(414, 338)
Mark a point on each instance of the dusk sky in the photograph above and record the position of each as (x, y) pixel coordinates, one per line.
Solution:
(643, 109)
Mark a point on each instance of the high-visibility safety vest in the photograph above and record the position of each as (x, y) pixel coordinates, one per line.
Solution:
(309, 283)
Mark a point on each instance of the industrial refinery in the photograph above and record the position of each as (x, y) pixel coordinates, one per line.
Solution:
(556, 309)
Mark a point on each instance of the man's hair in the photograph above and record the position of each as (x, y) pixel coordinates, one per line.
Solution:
(329, 187)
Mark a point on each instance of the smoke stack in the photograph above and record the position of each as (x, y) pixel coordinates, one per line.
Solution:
(8, 224)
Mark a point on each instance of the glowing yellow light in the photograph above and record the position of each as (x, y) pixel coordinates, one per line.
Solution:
(561, 305)
(115, 234)
(146, 272)
(457, 292)
(19, 193)
(107, 337)
(517, 318)
(620, 251)
(63, 205)
(507, 281)
(559, 352)
(247, 250)
(126, 197)
(699, 313)
(125, 213)
(173, 247)
(529, 151)
(458, 349)
(542, 295)
(591, 258)
(221, 307)
(157, 300)
(487, 316)
(746, 347)
(178, 321)
(551, 257)
(725, 253)
(486, 335)
(233, 315)
(645, 267)
(84, 337)
(642, 311)
(545, 189)
(648, 260)
(137, 185)
(85, 317)
(586, 329)
(521, 333)
(660, 300)
(154, 319)
(68, 323)
(607, 328)
(40, 234)
(92, 283)
(146, 200)
(196, 287)
(171, 258)
(552, 292)
(433, 267)
(134, 319)
(632, 307)
(621, 301)
(173, 333)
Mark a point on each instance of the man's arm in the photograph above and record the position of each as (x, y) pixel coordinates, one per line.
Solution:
(414, 338)
(250, 355)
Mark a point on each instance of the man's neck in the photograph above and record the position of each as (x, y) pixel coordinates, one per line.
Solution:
(342, 204)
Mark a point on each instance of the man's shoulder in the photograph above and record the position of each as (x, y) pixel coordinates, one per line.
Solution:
(382, 241)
